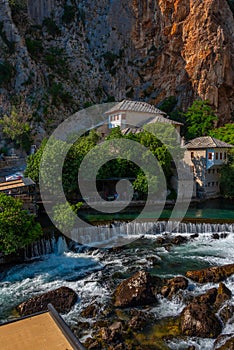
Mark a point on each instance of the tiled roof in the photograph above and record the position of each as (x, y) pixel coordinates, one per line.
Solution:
(135, 106)
(161, 119)
(206, 142)
(133, 130)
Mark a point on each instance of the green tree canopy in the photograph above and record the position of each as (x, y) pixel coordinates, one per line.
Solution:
(225, 133)
(17, 128)
(200, 119)
(17, 227)
(227, 177)
(33, 163)
(121, 164)
(62, 214)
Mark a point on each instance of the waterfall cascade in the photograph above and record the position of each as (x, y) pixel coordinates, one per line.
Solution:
(104, 233)
(46, 246)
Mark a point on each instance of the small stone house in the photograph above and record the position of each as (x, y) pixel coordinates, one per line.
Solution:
(206, 156)
(134, 114)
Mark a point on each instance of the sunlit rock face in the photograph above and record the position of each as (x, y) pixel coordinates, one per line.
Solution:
(146, 50)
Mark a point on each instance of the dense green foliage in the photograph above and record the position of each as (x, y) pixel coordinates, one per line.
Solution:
(121, 166)
(227, 177)
(62, 214)
(68, 14)
(35, 47)
(51, 26)
(168, 104)
(225, 133)
(200, 119)
(17, 128)
(33, 163)
(7, 72)
(17, 227)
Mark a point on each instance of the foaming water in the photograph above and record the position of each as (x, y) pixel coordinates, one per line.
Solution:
(90, 272)
(63, 268)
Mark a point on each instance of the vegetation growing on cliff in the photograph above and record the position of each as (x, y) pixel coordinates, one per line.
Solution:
(227, 177)
(16, 127)
(200, 119)
(225, 133)
(17, 227)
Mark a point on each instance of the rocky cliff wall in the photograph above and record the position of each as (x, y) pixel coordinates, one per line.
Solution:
(40, 9)
(93, 51)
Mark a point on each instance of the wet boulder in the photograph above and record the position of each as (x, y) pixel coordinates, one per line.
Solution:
(215, 236)
(223, 295)
(113, 333)
(211, 274)
(62, 299)
(135, 291)
(140, 319)
(195, 235)
(90, 311)
(173, 285)
(177, 240)
(226, 313)
(199, 320)
(207, 298)
(224, 342)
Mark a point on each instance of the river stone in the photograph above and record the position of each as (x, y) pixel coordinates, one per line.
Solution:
(211, 274)
(90, 311)
(135, 291)
(198, 320)
(179, 240)
(207, 298)
(223, 295)
(226, 313)
(62, 299)
(173, 286)
(224, 342)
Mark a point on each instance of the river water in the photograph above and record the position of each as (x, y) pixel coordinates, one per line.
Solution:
(91, 272)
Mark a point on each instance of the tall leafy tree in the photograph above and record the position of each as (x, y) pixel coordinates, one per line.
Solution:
(227, 177)
(225, 133)
(200, 119)
(33, 163)
(17, 128)
(17, 227)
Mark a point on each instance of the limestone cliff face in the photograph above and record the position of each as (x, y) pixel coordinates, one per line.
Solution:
(59, 55)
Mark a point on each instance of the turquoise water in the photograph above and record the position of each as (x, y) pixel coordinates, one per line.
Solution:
(220, 209)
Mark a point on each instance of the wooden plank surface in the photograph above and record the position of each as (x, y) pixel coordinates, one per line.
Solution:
(39, 332)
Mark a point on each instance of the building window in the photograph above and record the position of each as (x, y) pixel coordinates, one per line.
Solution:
(221, 155)
(192, 155)
(213, 171)
(225, 155)
(209, 171)
(208, 184)
(210, 155)
(213, 183)
(216, 156)
(218, 170)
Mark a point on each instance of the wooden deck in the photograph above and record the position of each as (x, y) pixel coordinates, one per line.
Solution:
(44, 331)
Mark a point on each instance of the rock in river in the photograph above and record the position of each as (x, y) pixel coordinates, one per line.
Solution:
(135, 291)
(211, 274)
(173, 285)
(198, 320)
(224, 342)
(62, 299)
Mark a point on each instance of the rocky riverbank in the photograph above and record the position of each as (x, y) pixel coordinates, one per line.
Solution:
(131, 315)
